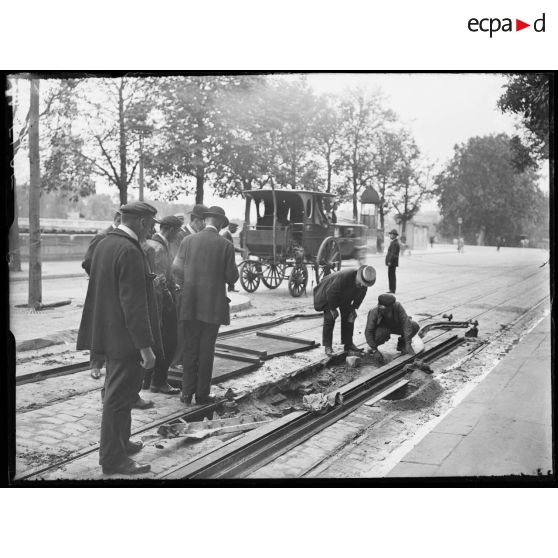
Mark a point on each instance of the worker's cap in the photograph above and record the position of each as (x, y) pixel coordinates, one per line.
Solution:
(393, 231)
(366, 275)
(140, 208)
(198, 210)
(386, 299)
(171, 221)
(216, 211)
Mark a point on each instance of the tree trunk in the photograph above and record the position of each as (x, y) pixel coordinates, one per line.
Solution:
(329, 171)
(355, 201)
(35, 286)
(200, 177)
(123, 187)
(15, 255)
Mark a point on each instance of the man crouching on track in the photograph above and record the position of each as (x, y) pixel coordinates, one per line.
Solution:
(345, 290)
(120, 321)
(387, 318)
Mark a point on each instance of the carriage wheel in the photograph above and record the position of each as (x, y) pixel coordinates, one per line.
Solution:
(273, 275)
(328, 259)
(250, 276)
(298, 280)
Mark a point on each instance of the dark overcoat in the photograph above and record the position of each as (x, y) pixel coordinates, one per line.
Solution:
(120, 311)
(203, 267)
(392, 256)
(337, 290)
(86, 263)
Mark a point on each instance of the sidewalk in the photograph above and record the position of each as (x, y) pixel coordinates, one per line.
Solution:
(50, 270)
(503, 427)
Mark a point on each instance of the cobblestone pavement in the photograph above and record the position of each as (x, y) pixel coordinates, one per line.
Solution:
(51, 425)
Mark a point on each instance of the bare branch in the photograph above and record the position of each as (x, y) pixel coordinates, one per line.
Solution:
(132, 173)
(107, 157)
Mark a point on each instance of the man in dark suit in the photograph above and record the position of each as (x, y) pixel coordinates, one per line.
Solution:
(158, 254)
(392, 259)
(120, 321)
(195, 225)
(387, 318)
(345, 290)
(97, 361)
(203, 267)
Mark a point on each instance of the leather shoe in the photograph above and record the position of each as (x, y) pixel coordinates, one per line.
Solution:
(142, 404)
(133, 447)
(166, 389)
(128, 467)
(353, 348)
(328, 351)
(187, 399)
(205, 400)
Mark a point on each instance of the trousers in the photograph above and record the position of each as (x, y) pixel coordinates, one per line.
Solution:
(169, 326)
(122, 384)
(383, 334)
(391, 278)
(198, 355)
(347, 328)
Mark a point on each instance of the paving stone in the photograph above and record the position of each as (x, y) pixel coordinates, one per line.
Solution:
(405, 469)
(433, 449)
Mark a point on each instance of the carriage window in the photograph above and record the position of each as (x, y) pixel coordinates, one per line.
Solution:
(309, 209)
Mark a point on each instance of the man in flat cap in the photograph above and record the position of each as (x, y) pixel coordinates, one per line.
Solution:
(204, 266)
(392, 259)
(98, 361)
(344, 290)
(158, 254)
(387, 318)
(120, 321)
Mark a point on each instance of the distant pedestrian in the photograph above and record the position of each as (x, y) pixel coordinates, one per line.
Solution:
(97, 361)
(387, 318)
(203, 267)
(120, 321)
(460, 245)
(498, 243)
(342, 292)
(392, 259)
(432, 238)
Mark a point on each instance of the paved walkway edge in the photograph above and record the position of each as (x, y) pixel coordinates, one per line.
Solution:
(502, 427)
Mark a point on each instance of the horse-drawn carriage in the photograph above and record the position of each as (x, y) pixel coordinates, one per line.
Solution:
(284, 233)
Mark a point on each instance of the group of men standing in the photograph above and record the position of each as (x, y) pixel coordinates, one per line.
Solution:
(142, 286)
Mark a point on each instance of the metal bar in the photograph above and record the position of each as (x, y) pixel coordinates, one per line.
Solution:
(308, 342)
(240, 358)
(241, 349)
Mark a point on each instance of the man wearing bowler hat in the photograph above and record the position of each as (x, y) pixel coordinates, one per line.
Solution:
(195, 225)
(120, 321)
(344, 290)
(203, 267)
(392, 259)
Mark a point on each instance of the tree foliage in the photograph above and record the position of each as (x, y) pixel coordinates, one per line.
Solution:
(483, 187)
(528, 95)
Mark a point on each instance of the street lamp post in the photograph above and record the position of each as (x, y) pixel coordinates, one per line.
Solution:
(141, 168)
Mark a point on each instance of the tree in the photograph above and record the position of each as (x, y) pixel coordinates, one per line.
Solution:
(362, 115)
(115, 109)
(35, 286)
(385, 161)
(412, 184)
(483, 187)
(326, 130)
(192, 130)
(528, 95)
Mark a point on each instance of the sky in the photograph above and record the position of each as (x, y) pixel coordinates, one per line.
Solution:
(439, 109)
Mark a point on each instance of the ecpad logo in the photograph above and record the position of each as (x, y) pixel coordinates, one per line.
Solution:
(493, 25)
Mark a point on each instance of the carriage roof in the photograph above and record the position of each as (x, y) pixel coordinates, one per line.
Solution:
(284, 194)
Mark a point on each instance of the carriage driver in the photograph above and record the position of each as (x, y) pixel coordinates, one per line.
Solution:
(345, 290)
